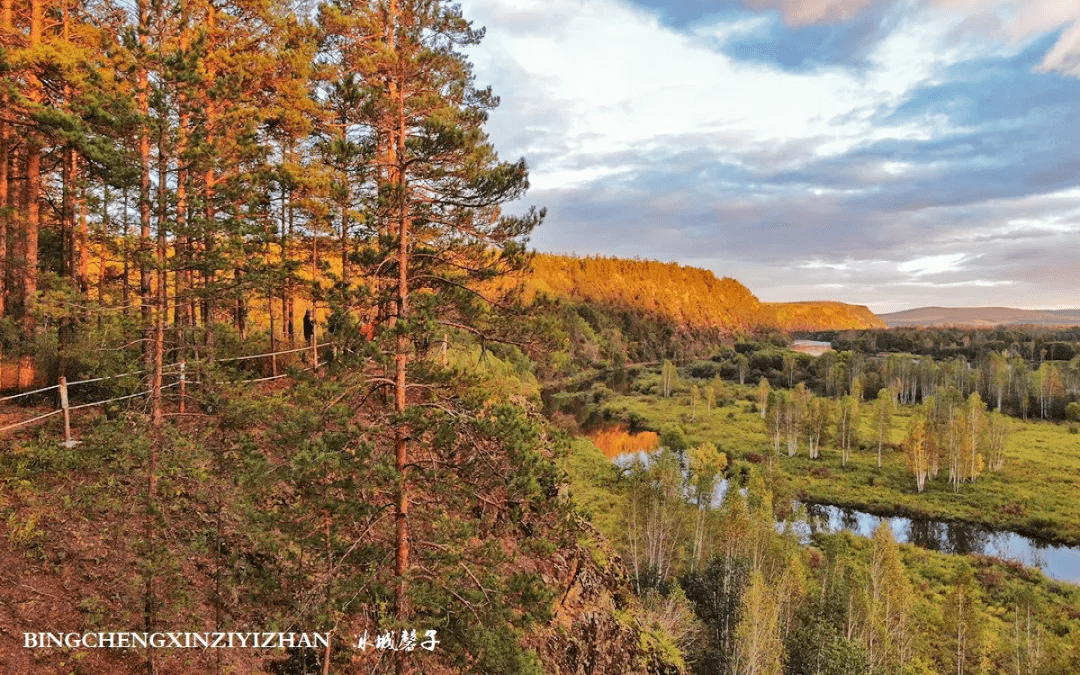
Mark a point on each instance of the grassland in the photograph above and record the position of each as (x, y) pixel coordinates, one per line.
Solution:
(1022, 615)
(1037, 492)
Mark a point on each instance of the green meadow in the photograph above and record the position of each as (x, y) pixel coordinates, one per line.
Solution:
(1034, 493)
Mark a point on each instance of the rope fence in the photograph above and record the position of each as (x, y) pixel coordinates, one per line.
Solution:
(179, 369)
(168, 370)
(32, 419)
(28, 393)
(120, 398)
(287, 351)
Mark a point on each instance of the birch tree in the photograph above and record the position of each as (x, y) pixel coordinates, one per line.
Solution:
(706, 467)
(883, 414)
(918, 450)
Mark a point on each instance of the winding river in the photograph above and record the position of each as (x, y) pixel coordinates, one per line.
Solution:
(959, 538)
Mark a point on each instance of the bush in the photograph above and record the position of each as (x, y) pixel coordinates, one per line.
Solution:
(1072, 412)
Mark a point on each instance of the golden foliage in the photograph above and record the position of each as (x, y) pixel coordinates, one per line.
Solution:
(615, 441)
(824, 315)
(689, 296)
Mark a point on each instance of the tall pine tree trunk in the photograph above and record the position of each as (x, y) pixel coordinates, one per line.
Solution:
(182, 252)
(161, 301)
(5, 207)
(286, 286)
(69, 266)
(32, 186)
(6, 202)
(396, 161)
(208, 186)
(144, 166)
(103, 240)
(208, 275)
(125, 289)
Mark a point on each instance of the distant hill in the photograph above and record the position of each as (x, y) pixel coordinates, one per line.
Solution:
(688, 296)
(824, 315)
(981, 317)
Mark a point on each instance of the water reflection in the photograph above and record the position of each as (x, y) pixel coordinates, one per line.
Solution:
(926, 533)
(849, 519)
(1059, 562)
(965, 538)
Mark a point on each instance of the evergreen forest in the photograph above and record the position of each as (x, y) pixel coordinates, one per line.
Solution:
(276, 358)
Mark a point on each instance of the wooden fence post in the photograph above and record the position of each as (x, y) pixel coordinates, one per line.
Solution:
(183, 385)
(62, 384)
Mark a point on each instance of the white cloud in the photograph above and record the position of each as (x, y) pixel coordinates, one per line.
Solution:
(597, 94)
(1021, 20)
(932, 264)
(974, 283)
(617, 82)
(1015, 20)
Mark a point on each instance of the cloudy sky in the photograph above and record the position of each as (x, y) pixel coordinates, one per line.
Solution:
(893, 154)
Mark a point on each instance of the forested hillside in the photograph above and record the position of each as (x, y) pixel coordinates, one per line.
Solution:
(688, 296)
(818, 316)
(247, 252)
(273, 374)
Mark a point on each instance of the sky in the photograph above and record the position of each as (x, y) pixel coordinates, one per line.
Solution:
(890, 154)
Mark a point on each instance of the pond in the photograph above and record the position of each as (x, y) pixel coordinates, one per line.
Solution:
(1055, 561)
(811, 347)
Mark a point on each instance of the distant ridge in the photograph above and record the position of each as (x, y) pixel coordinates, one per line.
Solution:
(819, 315)
(690, 297)
(980, 317)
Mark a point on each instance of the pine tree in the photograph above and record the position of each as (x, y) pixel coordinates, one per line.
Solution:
(439, 190)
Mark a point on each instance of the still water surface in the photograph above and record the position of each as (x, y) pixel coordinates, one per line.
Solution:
(1057, 562)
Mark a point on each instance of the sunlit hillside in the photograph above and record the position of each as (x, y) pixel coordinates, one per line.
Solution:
(689, 296)
(824, 315)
